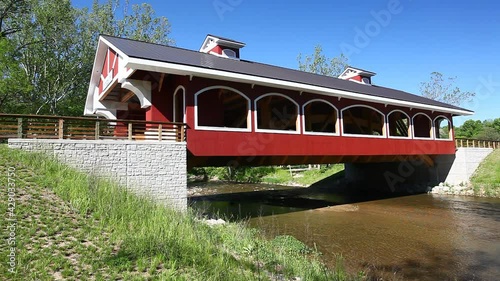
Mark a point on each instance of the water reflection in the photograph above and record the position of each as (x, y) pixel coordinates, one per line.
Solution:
(419, 237)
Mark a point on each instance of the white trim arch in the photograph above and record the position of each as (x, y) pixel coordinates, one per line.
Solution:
(297, 122)
(142, 89)
(384, 125)
(410, 129)
(183, 104)
(212, 128)
(450, 128)
(337, 119)
(431, 132)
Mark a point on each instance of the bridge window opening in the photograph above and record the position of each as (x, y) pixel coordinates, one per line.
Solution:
(277, 112)
(320, 117)
(422, 126)
(362, 120)
(223, 108)
(443, 128)
(179, 105)
(399, 124)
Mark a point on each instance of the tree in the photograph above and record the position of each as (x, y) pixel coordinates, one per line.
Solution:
(475, 129)
(469, 129)
(318, 63)
(444, 90)
(48, 48)
(488, 133)
(14, 82)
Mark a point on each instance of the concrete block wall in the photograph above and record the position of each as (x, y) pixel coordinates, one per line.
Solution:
(459, 168)
(152, 168)
(414, 177)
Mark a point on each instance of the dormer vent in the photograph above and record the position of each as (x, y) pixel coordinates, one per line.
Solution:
(222, 47)
(357, 75)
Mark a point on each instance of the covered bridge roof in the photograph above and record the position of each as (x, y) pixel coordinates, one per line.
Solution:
(157, 56)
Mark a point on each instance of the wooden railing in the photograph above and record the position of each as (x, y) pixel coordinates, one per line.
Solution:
(462, 142)
(86, 128)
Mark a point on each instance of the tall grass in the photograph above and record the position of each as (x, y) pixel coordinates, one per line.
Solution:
(160, 242)
(486, 180)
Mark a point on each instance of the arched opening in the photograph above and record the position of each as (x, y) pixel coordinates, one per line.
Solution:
(320, 117)
(179, 104)
(362, 120)
(276, 112)
(399, 124)
(422, 126)
(222, 107)
(442, 127)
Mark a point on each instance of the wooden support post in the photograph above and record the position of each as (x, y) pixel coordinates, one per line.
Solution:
(97, 129)
(60, 129)
(473, 143)
(160, 132)
(129, 131)
(461, 143)
(20, 128)
(183, 133)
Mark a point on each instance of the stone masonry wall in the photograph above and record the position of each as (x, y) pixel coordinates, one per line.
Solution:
(153, 168)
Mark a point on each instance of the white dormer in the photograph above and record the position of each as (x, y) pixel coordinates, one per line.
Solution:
(357, 75)
(222, 47)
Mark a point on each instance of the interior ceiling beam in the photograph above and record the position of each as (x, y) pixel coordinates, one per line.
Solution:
(127, 96)
(162, 77)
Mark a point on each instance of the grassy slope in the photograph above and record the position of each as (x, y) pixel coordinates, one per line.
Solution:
(75, 227)
(486, 180)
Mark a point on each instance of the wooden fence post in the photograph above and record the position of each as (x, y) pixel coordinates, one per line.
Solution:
(130, 131)
(97, 129)
(160, 132)
(60, 129)
(20, 128)
(182, 132)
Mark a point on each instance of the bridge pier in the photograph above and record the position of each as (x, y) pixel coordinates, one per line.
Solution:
(156, 169)
(398, 177)
(417, 176)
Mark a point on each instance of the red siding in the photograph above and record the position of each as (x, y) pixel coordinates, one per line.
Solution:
(280, 148)
(110, 63)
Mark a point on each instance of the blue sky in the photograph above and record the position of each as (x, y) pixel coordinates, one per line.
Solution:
(403, 41)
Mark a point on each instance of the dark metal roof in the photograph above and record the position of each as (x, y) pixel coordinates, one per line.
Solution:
(226, 39)
(360, 69)
(161, 53)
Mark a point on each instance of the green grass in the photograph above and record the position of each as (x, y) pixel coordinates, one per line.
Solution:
(72, 226)
(266, 174)
(486, 180)
(305, 178)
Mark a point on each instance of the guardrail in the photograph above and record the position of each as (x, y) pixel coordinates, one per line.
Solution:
(462, 142)
(86, 128)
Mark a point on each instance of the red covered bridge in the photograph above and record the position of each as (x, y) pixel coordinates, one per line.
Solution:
(247, 113)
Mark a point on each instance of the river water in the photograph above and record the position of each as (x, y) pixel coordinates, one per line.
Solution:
(390, 237)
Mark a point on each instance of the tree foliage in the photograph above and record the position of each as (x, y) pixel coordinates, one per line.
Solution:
(444, 90)
(48, 48)
(475, 129)
(320, 64)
